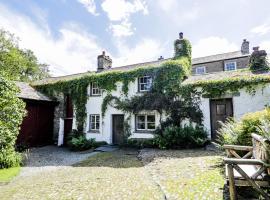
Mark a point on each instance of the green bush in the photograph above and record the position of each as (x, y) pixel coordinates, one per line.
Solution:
(180, 137)
(239, 132)
(11, 116)
(78, 142)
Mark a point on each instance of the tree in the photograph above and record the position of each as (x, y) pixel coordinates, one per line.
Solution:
(16, 63)
(11, 115)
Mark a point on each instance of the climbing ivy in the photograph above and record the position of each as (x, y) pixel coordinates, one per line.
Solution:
(77, 87)
(216, 88)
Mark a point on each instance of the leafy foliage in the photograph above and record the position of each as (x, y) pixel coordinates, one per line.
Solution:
(11, 115)
(239, 132)
(216, 88)
(78, 142)
(258, 61)
(19, 64)
(180, 137)
(167, 78)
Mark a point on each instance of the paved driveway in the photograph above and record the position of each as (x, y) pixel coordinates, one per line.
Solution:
(122, 174)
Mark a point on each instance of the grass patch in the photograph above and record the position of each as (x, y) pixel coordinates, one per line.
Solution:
(119, 159)
(7, 174)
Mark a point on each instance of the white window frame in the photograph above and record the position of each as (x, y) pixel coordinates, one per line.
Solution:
(230, 62)
(200, 67)
(95, 122)
(145, 122)
(95, 90)
(148, 88)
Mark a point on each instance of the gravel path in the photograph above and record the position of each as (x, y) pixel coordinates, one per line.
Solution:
(51, 158)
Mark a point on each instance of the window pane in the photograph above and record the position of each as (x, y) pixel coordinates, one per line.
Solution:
(141, 118)
(151, 118)
(140, 125)
(151, 126)
(92, 126)
(97, 118)
(92, 118)
(200, 70)
(230, 66)
(97, 126)
(221, 109)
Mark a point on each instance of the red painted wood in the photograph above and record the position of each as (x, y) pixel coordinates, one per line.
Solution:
(37, 126)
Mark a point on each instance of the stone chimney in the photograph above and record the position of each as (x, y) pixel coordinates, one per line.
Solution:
(103, 62)
(245, 47)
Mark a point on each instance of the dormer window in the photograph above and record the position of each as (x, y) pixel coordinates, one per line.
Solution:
(145, 83)
(200, 70)
(95, 90)
(230, 66)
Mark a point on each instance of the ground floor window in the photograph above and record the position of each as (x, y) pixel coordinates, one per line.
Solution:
(145, 122)
(94, 122)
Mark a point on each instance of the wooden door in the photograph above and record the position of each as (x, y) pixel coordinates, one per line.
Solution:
(221, 110)
(118, 129)
(68, 117)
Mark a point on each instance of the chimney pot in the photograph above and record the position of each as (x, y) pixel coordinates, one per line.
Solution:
(245, 47)
(181, 35)
(160, 58)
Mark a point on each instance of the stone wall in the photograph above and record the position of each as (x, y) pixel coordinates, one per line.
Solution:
(218, 66)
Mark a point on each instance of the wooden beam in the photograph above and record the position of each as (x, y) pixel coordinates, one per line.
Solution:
(251, 182)
(232, 188)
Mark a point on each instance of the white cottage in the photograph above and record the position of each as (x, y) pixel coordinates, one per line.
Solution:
(110, 127)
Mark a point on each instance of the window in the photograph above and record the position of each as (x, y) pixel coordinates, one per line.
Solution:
(95, 89)
(145, 122)
(145, 83)
(221, 109)
(94, 122)
(200, 70)
(229, 66)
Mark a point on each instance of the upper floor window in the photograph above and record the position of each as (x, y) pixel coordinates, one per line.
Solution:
(95, 90)
(145, 83)
(230, 66)
(200, 70)
(94, 122)
(145, 122)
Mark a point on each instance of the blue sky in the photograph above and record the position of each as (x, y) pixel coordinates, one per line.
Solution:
(69, 34)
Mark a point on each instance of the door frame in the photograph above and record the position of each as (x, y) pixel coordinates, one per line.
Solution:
(216, 99)
(113, 142)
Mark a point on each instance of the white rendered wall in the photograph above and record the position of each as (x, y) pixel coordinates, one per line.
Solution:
(242, 104)
(93, 106)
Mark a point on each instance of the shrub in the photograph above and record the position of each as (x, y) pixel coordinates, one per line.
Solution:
(78, 142)
(180, 137)
(11, 115)
(239, 132)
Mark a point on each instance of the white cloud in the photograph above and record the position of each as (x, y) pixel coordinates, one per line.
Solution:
(120, 11)
(73, 51)
(122, 30)
(145, 50)
(90, 5)
(262, 29)
(265, 45)
(178, 11)
(212, 45)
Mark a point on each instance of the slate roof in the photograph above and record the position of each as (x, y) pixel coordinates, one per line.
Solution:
(206, 59)
(223, 75)
(28, 92)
